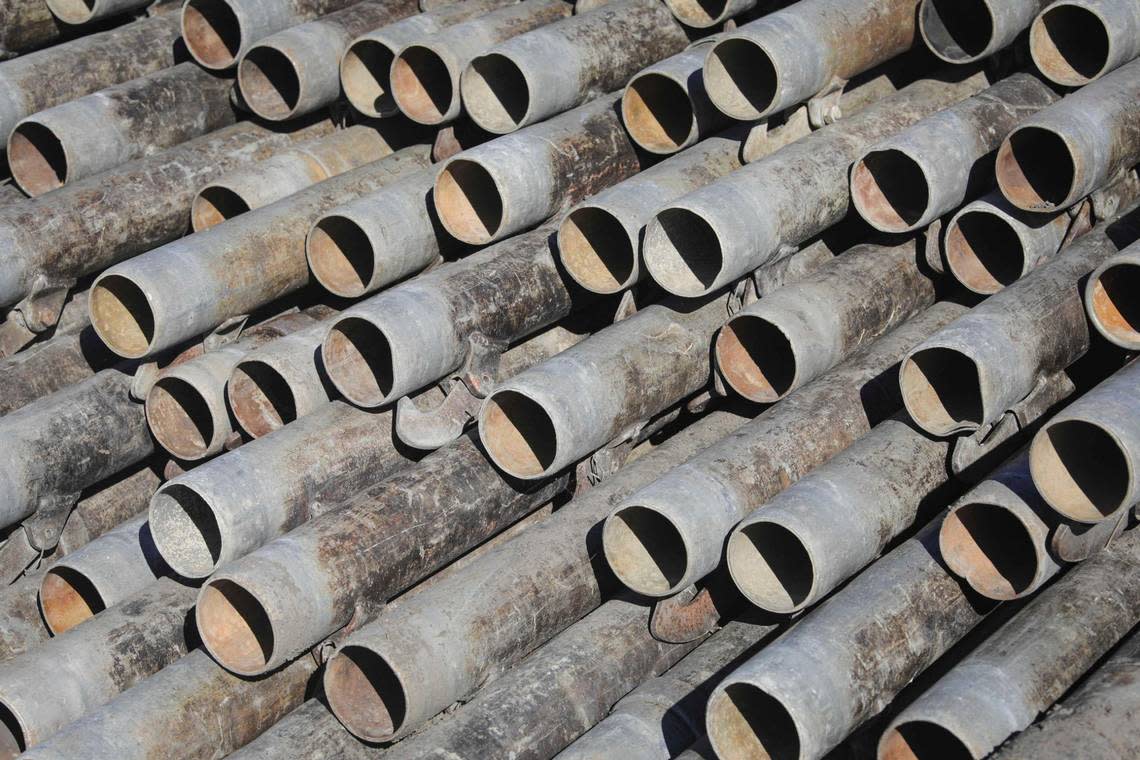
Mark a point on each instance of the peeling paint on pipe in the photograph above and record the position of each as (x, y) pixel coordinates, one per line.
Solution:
(1111, 298)
(1074, 42)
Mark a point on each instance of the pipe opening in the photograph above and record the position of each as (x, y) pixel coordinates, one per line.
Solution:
(890, 190)
(991, 548)
(756, 358)
(645, 550)
(365, 693)
(771, 566)
(422, 84)
(72, 11)
(741, 79)
(686, 257)
(1035, 169)
(67, 598)
(468, 201)
(358, 359)
(234, 626)
(364, 76)
(958, 31)
(984, 252)
(185, 530)
(1070, 44)
(341, 256)
(596, 250)
(212, 32)
(922, 740)
(519, 434)
(698, 13)
(269, 82)
(12, 741)
(658, 113)
(180, 418)
(1116, 303)
(36, 158)
(747, 722)
(122, 316)
(1080, 470)
(260, 398)
(495, 93)
(942, 390)
(215, 204)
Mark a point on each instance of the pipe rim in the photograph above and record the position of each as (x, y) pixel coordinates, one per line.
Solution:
(1037, 169)
(182, 419)
(1111, 303)
(361, 361)
(890, 190)
(646, 550)
(984, 251)
(922, 740)
(122, 315)
(74, 12)
(938, 408)
(769, 563)
(215, 204)
(658, 113)
(235, 627)
(683, 252)
(14, 731)
(212, 32)
(68, 598)
(185, 529)
(1077, 466)
(952, 44)
(596, 249)
(1060, 35)
(469, 201)
(270, 82)
(261, 398)
(699, 14)
(356, 680)
(519, 434)
(364, 77)
(754, 353)
(37, 158)
(425, 84)
(341, 255)
(992, 547)
(496, 92)
(742, 79)
(744, 721)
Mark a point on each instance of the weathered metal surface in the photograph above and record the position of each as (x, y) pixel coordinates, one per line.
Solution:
(44, 369)
(309, 730)
(1076, 41)
(107, 507)
(26, 25)
(1112, 298)
(513, 84)
(21, 626)
(702, 15)
(967, 32)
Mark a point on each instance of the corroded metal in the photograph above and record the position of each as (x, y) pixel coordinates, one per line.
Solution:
(1076, 41)
(665, 106)
(22, 627)
(964, 32)
(82, 12)
(1112, 300)
(26, 25)
(51, 366)
(702, 15)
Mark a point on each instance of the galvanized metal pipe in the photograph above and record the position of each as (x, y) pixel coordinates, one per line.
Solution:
(79, 13)
(702, 15)
(964, 31)
(112, 504)
(1064, 152)
(309, 730)
(51, 366)
(1076, 41)
(513, 84)
(1111, 298)
(190, 286)
(22, 627)
(26, 25)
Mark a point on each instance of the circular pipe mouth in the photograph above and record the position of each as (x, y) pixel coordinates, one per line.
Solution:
(1081, 470)
(67, 598)
(180, 418)
(1070, 44)
(468, 201)
(270, 82)
(957, 31)
(683, 252)
(890, 190)
(365, 693)
(756, 358)
(942, 391)
(212, 32)
(741, 79)
(185, 531)
(234, 627)
(12, 741)
(771, 566)
(1036, 169)
(358, 359)
(495, 93)
(215, 204)
(518, 433)
(700, 14)
(747, 723)
(364, 76)
(596, 250)
(645, 550)
(122, 316)
(36, 158)
(658, 113)
(422, 85)
(73, 12)
(260, 398)
(922, 740)
(1114, 300)
(990, 546)
(984, 251)
(341, 256)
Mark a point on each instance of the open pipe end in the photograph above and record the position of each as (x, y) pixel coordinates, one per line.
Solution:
(658, 113)
(215, 204)
(121, 315)
(260, 398)
(992, 548)
(341, 256)
(495, 93)
(890, 190)
(364, 76)
(468, 201)
(771, 566)
(1114, 302)
(1070, 44)
(941, 390)
(699, 14)
(67, 598)
(212, 32)
(185, 531)
(365, 693)
(596, 250)
(745, 722)
(358, 359)
(180, 418)
(36, 158)
(518, 434)
(73, 12)
(12, 733)
(683, 252)
(270, 82)
(957, 31)
(922, 740)
(645, 550)
(423, 85)
(756, 358)
(1036, 169)
(984, 252)
(741, 79)
(1081, 470)
(234, 627)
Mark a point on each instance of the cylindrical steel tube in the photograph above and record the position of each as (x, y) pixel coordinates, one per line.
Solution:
(1112, 298)
(1076, 41)
(26, 25)
(513, 84)
(310, 730)
(964, 31)
(111, 505)
(702, 14)
(80, 12)
(22, 627)
(52, 366)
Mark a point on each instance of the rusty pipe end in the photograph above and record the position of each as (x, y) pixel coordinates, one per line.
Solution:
(756, 358)
(683, 252)
(365, 693)
(74, 12)
(182, 420)
(185, 530)
(957, 31)
(992, 548)
(744, 721)
(984, 251)
(121, 315)
(495, 93)
(13, 733)
(1112, 299)
(261, 398)
(212, 31)
(215, 204)
(1070, 43)
(359, 362)
(365, 69)
(941, 390)
(468, 201)
(425, 84)
(597, 251)
(658, 113)
(890, 190)
(922, 740)
(741, 79)
(1036, 169)
(270, 82)
(234, 627)
(341, 256)
(1081, 470)
(518, 433)
(700, 14)
(67, 598)
(771, 566)
(645, 550)
(37, 158)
